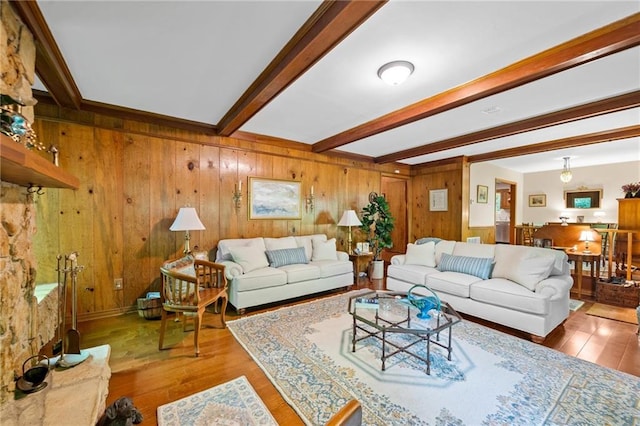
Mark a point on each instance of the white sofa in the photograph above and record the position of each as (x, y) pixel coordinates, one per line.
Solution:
(525, 288)
(265, 270)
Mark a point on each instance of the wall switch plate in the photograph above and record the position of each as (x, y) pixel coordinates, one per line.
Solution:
(117, 284)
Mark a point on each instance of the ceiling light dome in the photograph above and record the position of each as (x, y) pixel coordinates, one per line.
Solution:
(395, 72)
(566, 174)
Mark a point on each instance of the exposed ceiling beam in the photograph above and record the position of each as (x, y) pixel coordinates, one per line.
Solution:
(329, 25)
(580, 112)
(570, 142)
(612, 38)
(50, 65)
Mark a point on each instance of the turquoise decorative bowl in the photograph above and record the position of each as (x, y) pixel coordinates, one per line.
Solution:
(424, 303)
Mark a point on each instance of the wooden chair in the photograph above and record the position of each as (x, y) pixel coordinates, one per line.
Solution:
(349, 415)
(190, 286)
(527, 234)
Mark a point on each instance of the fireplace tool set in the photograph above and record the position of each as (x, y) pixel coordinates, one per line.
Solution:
(68, 341)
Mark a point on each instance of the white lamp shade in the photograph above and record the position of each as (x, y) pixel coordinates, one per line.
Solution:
(187, 220)
(349, 218)
(586, 236)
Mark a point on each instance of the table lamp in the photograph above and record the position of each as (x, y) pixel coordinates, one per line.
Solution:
(187, 220)
(349, 218)
(586, 236)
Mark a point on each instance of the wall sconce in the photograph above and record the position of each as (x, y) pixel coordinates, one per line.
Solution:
(237, 195)
(310, 200)
(586, 236)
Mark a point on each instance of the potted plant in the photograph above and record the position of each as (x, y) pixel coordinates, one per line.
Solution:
(631, 189)
(377, 224)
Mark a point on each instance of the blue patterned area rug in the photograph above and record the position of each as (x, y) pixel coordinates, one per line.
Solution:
(231, 403)
(493, 378)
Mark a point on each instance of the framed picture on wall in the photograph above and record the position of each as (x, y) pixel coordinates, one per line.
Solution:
(438, 201)
(538, 200)
(274, 199)
(483, 194)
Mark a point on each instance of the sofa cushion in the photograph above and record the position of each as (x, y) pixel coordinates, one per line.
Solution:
(478, 266)
(280, 243)
(421, 254)
(330, 268)
(305, 241)
(455, 283)
(474, 250)
(415, 274)
(250, 258)
(297, 272)
(324, 250)
(509, 255)
(442, 247)
(511, 295)
(260, 278)
(424, 240)
(287, 256)
(223, 252)
(530, 271)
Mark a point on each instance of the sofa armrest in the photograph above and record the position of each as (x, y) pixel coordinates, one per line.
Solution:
(342, 255)
(555, 286)
(232, 269)
(398, 259)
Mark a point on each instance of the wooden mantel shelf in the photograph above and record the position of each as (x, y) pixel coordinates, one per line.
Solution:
(24, 167)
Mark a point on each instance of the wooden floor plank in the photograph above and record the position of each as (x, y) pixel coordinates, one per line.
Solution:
(152, 377)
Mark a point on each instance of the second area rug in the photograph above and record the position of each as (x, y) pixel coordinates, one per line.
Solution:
(493, 378)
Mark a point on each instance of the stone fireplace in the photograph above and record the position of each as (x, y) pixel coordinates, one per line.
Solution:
(21, 331)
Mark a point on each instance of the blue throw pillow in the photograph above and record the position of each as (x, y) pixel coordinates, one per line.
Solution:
(480, 267)
(425, 240)
(288, 256)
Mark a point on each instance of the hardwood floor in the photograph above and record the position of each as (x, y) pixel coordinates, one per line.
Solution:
(152, 378)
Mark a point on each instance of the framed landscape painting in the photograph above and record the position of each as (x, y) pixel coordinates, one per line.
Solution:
(538, 200)
(274, 199)
(483, 194)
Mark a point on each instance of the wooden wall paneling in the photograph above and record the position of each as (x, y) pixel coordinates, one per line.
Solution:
(46, 241)
(486, 233)
(210, 196)
(228, 216)
(316, 176)
(187, 184)
(107, 206)
(77, 208)
(136, 217)
(163, 243)
(465, 197)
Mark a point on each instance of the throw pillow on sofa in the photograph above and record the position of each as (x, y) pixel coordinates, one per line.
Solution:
(530, 271)
(288, 256)
(477, 266)
(421, 254)
(250, 258)
(324, 250)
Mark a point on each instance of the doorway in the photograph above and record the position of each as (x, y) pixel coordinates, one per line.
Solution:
(505, 212)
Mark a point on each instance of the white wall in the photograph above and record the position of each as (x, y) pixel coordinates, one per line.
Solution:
(608, 177)
(486, 174)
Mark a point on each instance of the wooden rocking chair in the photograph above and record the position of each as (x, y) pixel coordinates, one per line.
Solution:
(189, 286)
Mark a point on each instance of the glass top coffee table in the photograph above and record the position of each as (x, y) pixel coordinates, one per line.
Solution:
(382, 314)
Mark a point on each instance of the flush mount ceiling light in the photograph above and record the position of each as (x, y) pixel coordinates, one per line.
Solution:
(395, 72)
(566, 174)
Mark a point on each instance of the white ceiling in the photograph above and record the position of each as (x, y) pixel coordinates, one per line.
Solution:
(194, 60)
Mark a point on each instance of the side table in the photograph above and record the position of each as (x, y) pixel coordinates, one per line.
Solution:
(360, 264)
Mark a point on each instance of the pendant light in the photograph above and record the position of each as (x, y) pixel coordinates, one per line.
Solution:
(566, 175)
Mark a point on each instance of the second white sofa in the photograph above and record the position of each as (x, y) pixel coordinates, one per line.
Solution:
(525, 288)
(265, 270)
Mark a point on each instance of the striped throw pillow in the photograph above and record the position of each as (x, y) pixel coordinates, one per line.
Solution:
(477, 266)
(287, 256)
